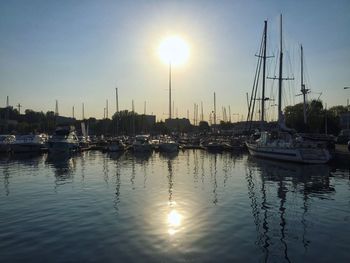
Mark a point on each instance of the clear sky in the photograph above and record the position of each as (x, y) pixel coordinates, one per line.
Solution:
(79, 51)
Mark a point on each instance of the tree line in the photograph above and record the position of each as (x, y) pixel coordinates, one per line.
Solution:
(319, 120)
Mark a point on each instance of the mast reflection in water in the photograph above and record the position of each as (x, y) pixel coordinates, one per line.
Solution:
(188, 206)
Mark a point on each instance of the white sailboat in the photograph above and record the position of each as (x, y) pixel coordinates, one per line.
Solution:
(282, 145)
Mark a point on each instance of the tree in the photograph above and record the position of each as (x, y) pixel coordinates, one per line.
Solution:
(160, 128)
(204, 126)
(315, 117)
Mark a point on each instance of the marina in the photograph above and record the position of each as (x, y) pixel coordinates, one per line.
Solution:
(174, 131)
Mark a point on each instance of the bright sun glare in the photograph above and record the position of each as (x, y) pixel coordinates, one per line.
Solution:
(174, 218)
(174, 50)
(174, 222)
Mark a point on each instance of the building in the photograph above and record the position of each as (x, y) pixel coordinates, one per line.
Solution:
(149, 120)
(344, 120)
(178, 124)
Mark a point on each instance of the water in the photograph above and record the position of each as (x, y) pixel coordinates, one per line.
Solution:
(189, 207)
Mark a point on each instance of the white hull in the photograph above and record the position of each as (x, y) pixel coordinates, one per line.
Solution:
(301, 155)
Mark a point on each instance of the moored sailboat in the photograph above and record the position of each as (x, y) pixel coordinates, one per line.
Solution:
(282, 144)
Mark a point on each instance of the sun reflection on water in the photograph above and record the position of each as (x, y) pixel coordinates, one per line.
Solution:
(174, 220)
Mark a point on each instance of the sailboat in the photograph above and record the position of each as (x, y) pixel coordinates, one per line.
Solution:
(282, 144)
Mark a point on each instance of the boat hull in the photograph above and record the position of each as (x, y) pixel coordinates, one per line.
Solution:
(27, 148)
(56, 147)
(5, 148)
(214, 148)
(300, 155)
(142, 147)
(168, 147)
(114, 148)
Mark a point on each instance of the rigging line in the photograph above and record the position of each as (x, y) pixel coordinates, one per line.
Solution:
(256, 89)
(254, 86)
(272, 91)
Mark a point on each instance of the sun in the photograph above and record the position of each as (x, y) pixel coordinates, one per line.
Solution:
(174, 50)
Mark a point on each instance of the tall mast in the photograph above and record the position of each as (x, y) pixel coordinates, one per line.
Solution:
(106, 109)
(133, 117)
(82, 112)
(303, 90)
(170, 90)
(116, 100)
(214, 109)
(229, 112)
(202, 116)
(19, 107)
(280, 76)
(264, 78)
(117, 110)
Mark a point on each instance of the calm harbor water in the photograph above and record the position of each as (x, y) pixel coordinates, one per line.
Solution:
(192, 206)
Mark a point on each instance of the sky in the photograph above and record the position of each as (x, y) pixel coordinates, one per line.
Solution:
(80, 51)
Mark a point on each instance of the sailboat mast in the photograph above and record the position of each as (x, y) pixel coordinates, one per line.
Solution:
(169, 90)
(303, 90)
(280, 76)
(264, 73)
(117, 110)
(214, 109)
